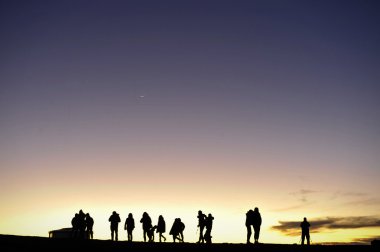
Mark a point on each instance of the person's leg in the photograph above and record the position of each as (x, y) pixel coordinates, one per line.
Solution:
(201, 237)
(257, 233)
(308, 238)
(303, 239)
(249, 233)
(144, 235)
(116, 235)
(112, 234)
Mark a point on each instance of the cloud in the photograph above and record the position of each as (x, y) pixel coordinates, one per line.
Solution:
(303, 194)
(292, 228)
(348, 194)
(365, 240)
(355, 241)
(368, 201)
(293, 207)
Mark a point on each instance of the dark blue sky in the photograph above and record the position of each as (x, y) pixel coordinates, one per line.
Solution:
(283, 61)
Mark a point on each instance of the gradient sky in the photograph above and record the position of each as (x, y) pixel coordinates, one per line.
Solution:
(171, 107)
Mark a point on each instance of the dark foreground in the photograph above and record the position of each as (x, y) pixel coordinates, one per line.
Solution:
(41, 244)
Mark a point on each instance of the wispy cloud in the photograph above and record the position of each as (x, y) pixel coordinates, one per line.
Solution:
(292, 207)
(302, 197)
(355, 198)
(367, 201)
(292, 228)
(348, 194)
(303, 194)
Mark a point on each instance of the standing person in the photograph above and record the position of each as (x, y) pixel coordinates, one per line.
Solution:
(256, 222)
(89, 226)
(248, 223)
(146, 224)
(114, 219)
(129, 226)
(81, 224)
(161, 227)
(201, 224)
(75, 226)
(305, 231)
(208, 221)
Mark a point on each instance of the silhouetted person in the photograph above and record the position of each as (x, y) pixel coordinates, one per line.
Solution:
(256, 222)
(75, 226)
(161, 227)
(181, 229)
(177, 230)
(209, 220)
(89, 226)
(81, 221)
(305, 231)
(201, 224)
(146, 224)
(114, 219)
(129, 226)
(253, 218)
(248, 223)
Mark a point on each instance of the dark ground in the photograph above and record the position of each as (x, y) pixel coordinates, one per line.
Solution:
(42, 244)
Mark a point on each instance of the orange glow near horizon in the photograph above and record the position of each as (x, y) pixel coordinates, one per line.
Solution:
(37, 207)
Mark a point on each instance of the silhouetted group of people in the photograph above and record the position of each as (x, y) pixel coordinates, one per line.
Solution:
(253, 218)
(148, 229)
(82, 227)
(205, 222)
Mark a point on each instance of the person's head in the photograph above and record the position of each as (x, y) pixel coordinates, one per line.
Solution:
(87, 215)
(160, 217)
(304, 219)
(256, 209)
(199, 212)
(114, 212)
(130, 215)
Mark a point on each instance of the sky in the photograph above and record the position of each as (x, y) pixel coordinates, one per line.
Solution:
(171, 107)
